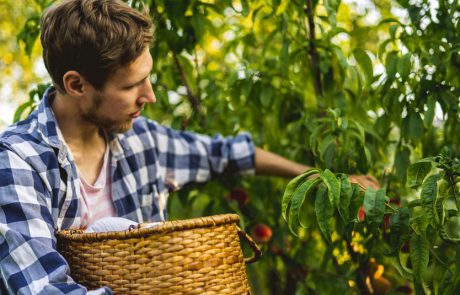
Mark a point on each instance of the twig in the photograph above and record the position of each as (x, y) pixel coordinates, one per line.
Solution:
(198, 76)
(194, 100)
(312, 50)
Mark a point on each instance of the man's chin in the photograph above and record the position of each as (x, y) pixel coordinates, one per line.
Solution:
(111, 126)
(121, 128)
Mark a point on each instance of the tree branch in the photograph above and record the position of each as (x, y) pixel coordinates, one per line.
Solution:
(309, 10)
(193, 99)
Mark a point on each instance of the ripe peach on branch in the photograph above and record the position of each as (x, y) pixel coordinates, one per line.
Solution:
(239, 195)
(261, 233)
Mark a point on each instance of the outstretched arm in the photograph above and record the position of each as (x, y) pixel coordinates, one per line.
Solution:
(271, 164)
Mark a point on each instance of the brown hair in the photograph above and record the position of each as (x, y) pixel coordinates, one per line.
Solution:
(92, 37)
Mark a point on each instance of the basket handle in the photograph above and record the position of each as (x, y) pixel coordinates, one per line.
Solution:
(257, 252)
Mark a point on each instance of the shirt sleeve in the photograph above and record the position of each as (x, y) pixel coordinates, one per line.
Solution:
(29, 261)
(192, 157)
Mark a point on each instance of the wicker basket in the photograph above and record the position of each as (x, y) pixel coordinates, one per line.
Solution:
(194, 256)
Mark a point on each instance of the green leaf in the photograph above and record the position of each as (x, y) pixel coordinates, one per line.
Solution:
(266, 96)
(374, 205)
(428, 116)
(330, 156)
(383, 48)
(428, 195)
(417, 172)
(333, 187)
(368, 156)
(284, 54)
(21, 110)
(399, 227)
(332, 5)
(400, 265)
(404, 66)
(391, 103)
(319, 131)
(419, 256)
(439, 210)
(451, 230)
(390, 20)
(324, 212)
(360, 133)
(324, 145)
(365, 64)
(345, 196)
(356, 199)
(340, 56)
(30, 33)
(291, 187)
(402, 162)
(282, 7)
(420, 223)
(445, 189)
(199, 24)
(391, 63)
(415, 126)
(297, 200)
(245, 7)
(393, 30)
(451, 206)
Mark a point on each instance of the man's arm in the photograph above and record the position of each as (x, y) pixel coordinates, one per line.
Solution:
(270, 164)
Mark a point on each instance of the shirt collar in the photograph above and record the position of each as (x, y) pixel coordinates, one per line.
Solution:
(47, 124)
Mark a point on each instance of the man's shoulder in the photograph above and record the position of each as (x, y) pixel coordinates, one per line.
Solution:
(21, 131)
(23, 138)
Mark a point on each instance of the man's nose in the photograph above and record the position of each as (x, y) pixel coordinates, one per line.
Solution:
(147, 95)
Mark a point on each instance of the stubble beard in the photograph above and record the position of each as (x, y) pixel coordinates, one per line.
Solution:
(94, 116)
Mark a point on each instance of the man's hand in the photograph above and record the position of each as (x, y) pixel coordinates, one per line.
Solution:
(365, 181)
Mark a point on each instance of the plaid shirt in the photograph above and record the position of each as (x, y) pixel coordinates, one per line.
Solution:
(39, 189)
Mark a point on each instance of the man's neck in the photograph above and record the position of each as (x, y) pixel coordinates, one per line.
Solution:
(87, 144)
(76, 131)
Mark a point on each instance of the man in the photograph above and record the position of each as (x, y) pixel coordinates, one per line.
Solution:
(86, 153)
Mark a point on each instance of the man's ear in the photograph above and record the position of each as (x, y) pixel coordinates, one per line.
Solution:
(74, 83)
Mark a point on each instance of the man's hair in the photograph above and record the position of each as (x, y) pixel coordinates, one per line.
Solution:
(92, 37)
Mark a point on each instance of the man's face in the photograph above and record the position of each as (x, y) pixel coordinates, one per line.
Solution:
(124, 95)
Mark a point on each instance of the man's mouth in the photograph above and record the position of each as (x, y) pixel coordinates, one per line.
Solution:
(135, 114)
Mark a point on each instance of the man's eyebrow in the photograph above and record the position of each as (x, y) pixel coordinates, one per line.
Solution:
(140, 81)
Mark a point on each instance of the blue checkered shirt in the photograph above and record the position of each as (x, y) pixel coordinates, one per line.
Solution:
(39, 189)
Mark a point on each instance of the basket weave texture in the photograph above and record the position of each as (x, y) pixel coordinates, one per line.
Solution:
(194, 256)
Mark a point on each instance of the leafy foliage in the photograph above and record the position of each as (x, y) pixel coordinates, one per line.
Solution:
(16, 65)
(415, 221)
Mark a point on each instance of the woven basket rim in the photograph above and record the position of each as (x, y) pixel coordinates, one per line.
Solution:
(78, 235)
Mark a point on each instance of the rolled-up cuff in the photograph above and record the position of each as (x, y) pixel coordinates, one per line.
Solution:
(242, 155)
